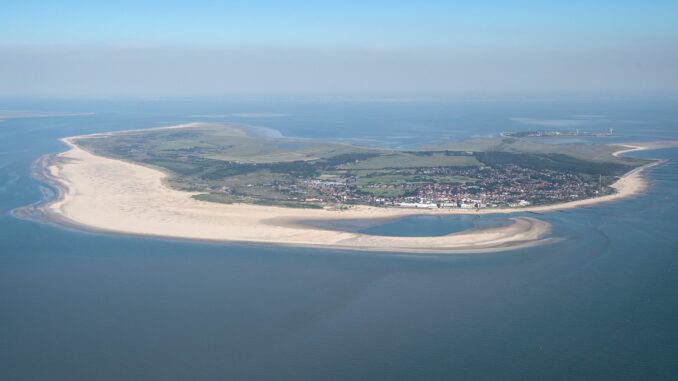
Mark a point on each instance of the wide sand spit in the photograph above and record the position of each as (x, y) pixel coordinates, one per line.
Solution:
(103, 194)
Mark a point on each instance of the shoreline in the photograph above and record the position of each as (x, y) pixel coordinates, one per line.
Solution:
(40, 211)
(101, 194)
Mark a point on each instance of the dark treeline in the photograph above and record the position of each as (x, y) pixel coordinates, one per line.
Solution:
(553, 161)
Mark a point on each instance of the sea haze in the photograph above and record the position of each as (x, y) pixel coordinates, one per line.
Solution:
(598, 304)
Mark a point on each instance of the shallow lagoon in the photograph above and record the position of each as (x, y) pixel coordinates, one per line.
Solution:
(415, 226)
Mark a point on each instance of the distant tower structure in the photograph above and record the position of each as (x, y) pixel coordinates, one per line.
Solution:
(611, 129)
(577, 132)
(600, 183)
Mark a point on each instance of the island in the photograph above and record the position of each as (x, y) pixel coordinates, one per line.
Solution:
(227, 183)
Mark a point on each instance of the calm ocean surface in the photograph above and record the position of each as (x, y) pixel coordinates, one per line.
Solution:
(602, 303)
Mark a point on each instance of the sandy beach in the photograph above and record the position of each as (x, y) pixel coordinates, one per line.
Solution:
(104, 194)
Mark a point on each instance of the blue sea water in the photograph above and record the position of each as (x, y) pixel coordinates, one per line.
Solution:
(601, 303)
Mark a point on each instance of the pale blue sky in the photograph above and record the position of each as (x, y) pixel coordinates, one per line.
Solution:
(326, 22)
(335, 46)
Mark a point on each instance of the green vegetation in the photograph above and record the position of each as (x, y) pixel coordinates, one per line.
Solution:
(226, 165)
(415, 160)
(552, 161)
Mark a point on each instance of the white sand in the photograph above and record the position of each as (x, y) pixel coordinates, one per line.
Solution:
(116, 196)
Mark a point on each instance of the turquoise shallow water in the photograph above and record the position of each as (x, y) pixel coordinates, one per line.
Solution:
(599, 304)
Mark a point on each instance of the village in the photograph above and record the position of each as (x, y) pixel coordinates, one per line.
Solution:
(487, 187)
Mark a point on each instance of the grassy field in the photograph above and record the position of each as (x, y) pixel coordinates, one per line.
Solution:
(414, 160)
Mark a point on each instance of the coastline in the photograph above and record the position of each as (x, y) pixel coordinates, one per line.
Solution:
(108, 195)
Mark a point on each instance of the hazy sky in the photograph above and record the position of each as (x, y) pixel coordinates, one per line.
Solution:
(172, 48)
